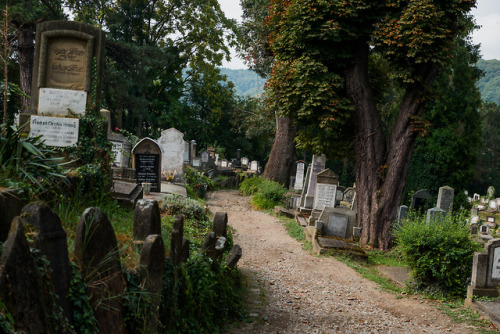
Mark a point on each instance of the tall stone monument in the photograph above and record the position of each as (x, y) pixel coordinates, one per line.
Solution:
(172, 144)
(317, 165)
(299, 176)
(66, 75)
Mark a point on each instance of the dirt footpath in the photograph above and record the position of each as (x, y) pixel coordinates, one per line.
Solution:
(292, 291)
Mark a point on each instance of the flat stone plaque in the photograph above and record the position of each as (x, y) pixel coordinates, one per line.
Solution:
(495, 271)
(147, 169)
(325, 196)
(337, 225)
(67, 63)
(55, 131)
(58, 101)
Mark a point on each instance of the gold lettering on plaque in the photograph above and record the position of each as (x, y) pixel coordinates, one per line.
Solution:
(66, 63)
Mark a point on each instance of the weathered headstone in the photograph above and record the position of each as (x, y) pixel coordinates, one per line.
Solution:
(151, 276)
(21, 285)
(435, 214)
(474, 227)
(476, 197)
(254, 166)
(220, 224)
(234, 256)
(244, 161)
(491, 192)
(178, 244)
(337, 222)
(196, 162)
(492, 204)
(402, 213)
(419, 200)
(193, 149)
(445, 198)
(486, 271)
(172, 144)
(317, 165)
(121, 149)
(349, 194)
(147, 219)
(187, 152)
(224, 163)
(299, 176)
(147, 157)
(50, 239)
(326, 189)
(96, 250)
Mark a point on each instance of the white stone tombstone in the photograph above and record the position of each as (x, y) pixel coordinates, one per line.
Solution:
(445, 198)
(57, 102)
(121, 149)
(223, 163)
(254, 165)
(196, 162)
(492, 204)
(172, 144)
(299, 177)
(244, 161)
(186, 152)
(326, 189)
(491, 191)
(476, 197)
(317, 165)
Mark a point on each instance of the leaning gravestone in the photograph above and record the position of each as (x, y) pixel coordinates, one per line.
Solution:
(67, 65)
(326, 189)
(50, 239)
(445, 199)
(147, 219)
(317, 165)
(147, 163)
(402, 213)
(299, 176)
(151, 277)
(96, 250)
(21, 285)
(172, 143)
(121, 148)
(419, 200)
(336, 222)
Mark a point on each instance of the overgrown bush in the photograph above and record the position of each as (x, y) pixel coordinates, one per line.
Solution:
(173, 204)
(266, 194)
(197, 183)
(438, 252)
(250, 186)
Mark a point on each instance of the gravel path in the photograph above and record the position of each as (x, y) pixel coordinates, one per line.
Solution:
(292, 291)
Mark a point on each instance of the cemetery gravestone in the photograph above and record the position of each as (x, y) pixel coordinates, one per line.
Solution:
(172, 143)
(147, 219)
(299, 176)
(492, 204)
(476, 197)
(326, 189)
(317, 165)
(254, 166)
(491, 192)
(244, 161)
(97, 251)
(337, 222)
(224, 163)
(211, 150)
(121, 149)
(486, 271)
(196, 162)
(402, 213)
(50, 239)
(147, 157)
(21, 283)
(435, 214)
(445, 198)
(186, 152)
(419, 200)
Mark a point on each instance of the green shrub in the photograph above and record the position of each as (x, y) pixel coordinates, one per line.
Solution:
(269, 195)
(250, 186)
(439, 253)
(197, 183)
(173, 204)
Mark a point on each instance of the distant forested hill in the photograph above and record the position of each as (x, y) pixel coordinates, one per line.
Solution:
(489, 85)
(246, 82)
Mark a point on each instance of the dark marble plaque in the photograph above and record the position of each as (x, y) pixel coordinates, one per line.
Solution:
(147, 169)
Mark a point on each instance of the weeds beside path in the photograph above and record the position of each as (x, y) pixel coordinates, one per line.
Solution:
(292, 291)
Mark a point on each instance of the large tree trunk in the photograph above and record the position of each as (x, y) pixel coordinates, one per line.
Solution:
(26, 52)
(282, 156)
(381, 171)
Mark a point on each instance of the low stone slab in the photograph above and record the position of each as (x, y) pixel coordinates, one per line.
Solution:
(126, 193)
(339, 245)
(399, 275)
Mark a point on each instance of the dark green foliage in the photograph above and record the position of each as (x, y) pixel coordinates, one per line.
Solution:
(83, 315)
(446, 152)
(250, 186)
(27, 164)
(487, 170)
(266, 194)
(197, 183)
(439, 253)
(198, 298)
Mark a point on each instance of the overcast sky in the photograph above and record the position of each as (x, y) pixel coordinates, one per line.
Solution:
(487, 15)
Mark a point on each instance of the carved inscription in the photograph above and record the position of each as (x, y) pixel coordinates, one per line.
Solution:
(66, 63)
(55, 131)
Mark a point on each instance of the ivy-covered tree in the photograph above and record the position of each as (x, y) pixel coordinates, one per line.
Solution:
(324, 76)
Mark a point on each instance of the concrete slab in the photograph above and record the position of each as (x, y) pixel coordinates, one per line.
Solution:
(173, 188)
(491, 309)
(400, 275)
